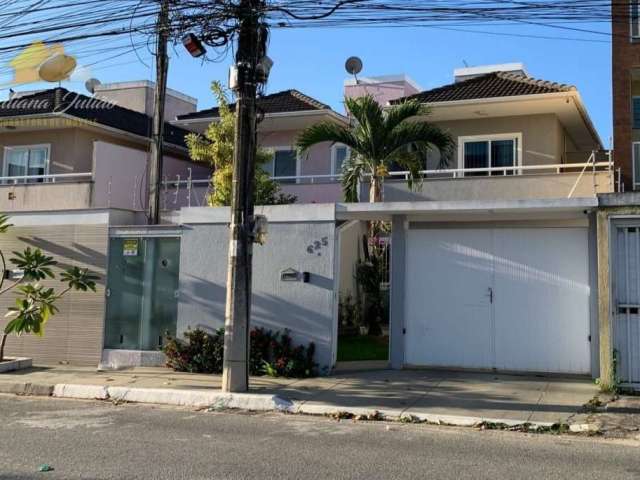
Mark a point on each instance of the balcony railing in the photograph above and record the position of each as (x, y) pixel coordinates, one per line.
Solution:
(505, 171)
(185, 193)
(521, 181)
(65, 191)
(55, 178)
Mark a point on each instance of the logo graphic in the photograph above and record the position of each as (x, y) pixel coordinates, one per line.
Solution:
(39, 62)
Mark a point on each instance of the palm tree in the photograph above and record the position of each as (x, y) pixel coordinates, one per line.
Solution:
(377, 139)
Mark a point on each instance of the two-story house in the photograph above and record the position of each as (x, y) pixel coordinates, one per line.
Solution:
(283, 116)
(516, 137)
(62, 150)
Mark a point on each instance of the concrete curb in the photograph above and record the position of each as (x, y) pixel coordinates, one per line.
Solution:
(585, 427)
(399, 415)
(253, 402)
(87, 392)
(163, 396)
(23, 388)
(201, 398)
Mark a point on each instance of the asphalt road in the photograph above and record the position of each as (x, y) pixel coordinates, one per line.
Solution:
(95, 440)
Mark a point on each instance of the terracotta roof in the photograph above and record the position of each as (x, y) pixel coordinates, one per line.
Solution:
(492, 85)
(60, 100)
(280, 102)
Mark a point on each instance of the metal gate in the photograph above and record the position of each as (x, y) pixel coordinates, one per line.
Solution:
(626, 306)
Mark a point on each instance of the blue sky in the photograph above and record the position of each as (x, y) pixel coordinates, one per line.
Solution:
(312, 61)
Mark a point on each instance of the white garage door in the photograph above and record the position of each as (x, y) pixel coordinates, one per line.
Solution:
(505, 298)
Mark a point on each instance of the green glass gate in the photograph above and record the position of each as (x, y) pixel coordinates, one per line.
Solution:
(142, 292)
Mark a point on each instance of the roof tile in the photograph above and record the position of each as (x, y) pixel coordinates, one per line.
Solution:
(60, 100)
(492, 85)
(280, 102)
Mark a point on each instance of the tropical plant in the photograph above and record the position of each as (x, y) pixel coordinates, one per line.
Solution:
(36, 304)
(270, 353)
(379, 138)
(216, 148)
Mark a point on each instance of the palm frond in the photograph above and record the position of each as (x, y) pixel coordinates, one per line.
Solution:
(412, 162)
(325, 132)
(370, 126)
(423, 135)
(401, 112)
(352, 171)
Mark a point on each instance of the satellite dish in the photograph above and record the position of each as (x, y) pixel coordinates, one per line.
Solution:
(57, 68)
(353, 65)
(91, 85)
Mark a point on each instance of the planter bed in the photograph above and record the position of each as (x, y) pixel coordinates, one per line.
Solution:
(12, 364)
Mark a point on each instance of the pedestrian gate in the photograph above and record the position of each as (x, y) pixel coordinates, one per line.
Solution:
(626, 302)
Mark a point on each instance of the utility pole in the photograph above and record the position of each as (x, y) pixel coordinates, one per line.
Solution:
(251, 49)
(157, 135)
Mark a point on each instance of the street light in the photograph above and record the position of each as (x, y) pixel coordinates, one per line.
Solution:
(193, 45)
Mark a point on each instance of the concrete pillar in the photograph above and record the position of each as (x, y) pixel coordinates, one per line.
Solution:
(604, 300)
(396, 299)
(594, 330)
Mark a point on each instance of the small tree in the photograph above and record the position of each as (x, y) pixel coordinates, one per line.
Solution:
(216, 148)
(377, 139)
(36, 304)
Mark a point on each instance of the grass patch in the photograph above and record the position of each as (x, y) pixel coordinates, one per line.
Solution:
(363, 347)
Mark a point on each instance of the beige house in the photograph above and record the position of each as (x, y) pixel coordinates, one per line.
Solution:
(526, 138)
(516, 137)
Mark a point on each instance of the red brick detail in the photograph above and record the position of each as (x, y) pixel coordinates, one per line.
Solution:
(625, 58)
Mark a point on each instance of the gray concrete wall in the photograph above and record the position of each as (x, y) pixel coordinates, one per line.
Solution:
(511, 187)
(300, 239)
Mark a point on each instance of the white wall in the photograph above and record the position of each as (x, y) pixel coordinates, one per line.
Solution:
(299, 238)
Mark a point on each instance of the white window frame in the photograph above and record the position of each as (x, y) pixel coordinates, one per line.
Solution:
(334, 157)
(7, 148)
(631, 35)
(280, 149)
(489, 138)
(633, 165)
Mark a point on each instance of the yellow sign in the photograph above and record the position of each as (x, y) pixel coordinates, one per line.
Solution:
(130, 247)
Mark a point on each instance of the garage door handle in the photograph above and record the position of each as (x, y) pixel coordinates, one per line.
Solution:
(490, 295)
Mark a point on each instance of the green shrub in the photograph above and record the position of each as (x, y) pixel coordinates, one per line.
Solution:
(271, 353)
(199, 352)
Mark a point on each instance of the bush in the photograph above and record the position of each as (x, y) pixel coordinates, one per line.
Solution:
(271, 353)
(200, 352)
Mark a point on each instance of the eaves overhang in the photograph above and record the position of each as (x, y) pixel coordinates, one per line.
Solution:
(533, 209)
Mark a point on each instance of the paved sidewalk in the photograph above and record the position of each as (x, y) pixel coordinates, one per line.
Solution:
(463, 398)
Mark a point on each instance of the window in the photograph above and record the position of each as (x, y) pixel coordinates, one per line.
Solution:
(284, 164)
(636, 112)
(636, 165)
(26, 161)
(339, 154)
(635, 19)
(489, 152)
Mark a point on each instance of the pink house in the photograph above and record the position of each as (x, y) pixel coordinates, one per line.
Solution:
(313, 178)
